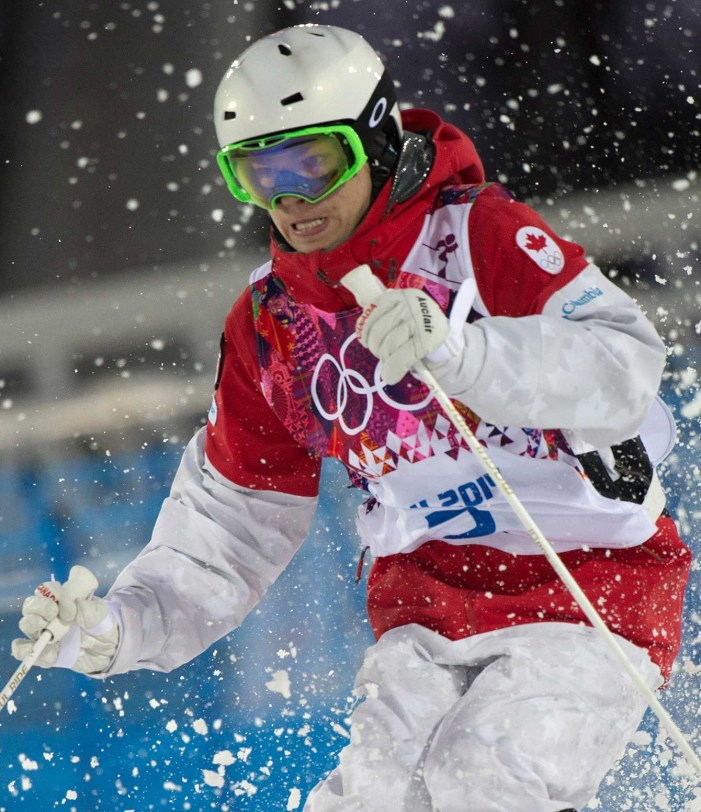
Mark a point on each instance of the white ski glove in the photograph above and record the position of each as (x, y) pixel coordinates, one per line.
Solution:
(91, 637)
(401, 328)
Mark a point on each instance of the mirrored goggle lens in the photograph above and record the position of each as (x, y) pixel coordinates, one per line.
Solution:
(306, 166)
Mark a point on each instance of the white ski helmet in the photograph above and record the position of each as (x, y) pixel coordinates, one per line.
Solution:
(311, 75)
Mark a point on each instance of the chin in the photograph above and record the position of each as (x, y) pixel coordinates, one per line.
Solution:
(309, 246)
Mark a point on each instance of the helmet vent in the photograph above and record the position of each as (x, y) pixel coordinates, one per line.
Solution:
(285, 50)
(293, 99)
(229, 114)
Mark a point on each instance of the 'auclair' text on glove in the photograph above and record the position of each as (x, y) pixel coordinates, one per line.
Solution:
(401, 328)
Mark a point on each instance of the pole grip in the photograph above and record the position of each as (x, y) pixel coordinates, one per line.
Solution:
(81, 584)
(364, 285)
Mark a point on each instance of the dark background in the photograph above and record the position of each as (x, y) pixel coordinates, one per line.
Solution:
(107, 143)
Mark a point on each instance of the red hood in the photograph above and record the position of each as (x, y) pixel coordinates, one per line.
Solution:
(383, 239)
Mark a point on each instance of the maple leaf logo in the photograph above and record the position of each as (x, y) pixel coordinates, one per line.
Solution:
(535, 242)
(541, 248)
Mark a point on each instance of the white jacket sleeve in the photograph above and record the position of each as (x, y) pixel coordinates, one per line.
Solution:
(591, 363)
(216, 548)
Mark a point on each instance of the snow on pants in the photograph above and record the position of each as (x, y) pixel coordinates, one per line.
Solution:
(524, 719)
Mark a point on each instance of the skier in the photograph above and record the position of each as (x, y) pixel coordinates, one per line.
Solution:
(486, 689)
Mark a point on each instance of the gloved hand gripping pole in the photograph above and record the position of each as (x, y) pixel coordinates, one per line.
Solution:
(81, 583)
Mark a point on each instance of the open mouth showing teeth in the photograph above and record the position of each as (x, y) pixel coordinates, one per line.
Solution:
(308, 224)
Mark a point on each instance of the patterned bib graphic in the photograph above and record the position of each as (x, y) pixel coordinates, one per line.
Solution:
(329, 392)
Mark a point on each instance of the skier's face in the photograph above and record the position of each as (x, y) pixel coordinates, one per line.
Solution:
(332, 220)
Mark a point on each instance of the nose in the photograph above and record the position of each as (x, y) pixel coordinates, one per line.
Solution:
(288, 202)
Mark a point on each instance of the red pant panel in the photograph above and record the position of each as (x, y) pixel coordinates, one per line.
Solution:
(459, 591)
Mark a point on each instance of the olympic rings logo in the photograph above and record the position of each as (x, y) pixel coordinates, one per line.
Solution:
(350, 381)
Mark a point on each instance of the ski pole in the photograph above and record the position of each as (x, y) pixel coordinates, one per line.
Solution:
(366, 288)
(81, 583)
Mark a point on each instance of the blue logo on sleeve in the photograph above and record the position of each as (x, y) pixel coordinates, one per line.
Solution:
(589, 295)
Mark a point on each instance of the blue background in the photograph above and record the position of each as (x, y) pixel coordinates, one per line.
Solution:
(138, 741)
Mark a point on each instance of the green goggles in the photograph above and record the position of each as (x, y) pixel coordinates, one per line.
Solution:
(309, 163)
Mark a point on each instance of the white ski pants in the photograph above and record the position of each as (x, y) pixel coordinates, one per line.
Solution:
(526, 719)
